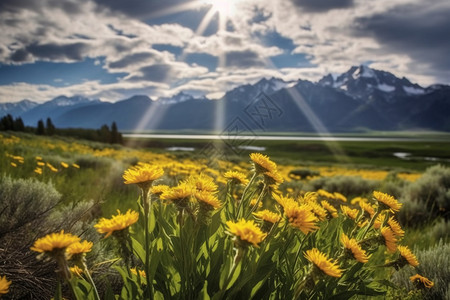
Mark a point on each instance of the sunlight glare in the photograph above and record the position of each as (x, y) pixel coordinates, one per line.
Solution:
(226, 8)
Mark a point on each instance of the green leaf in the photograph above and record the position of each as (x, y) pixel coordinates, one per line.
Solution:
(204, 292)
(138, 250)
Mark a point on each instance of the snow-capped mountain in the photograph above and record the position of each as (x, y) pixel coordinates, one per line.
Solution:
(16, 108)
(359, 99)
(178, 98)
(363, 82)
(247, 92)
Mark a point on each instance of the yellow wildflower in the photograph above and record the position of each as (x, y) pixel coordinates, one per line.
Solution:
(76, 270)
(246, 232)
(330, 208)
(54, 242)
(203, 183)
(79, 248)
(325, 264)
(352, 245)
(268, 216)
(179, 194)
(143, 174)
(209, 199)
(389, 239)
(273, 177)
(387, 202)
(408, 256)
(38, 158)
(38, 171)
(367, 208)
(339, 196)
(236, 177)
(4, 285)
(421, 282)
(351, 213)
(159, 189)
(64, 165)
(75, 166)
(40, 163)
(301, 217)
(379, 221)
(262, 163)
(396, 228)
(13, 164)
(117, 223)
(135, 272)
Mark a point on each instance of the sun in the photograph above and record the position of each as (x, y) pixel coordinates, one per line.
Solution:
(226, 8)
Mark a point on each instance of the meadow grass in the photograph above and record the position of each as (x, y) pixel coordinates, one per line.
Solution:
(188, 242)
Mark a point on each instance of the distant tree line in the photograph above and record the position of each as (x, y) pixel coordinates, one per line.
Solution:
(105, 134)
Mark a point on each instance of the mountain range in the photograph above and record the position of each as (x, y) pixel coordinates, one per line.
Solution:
(360, 99)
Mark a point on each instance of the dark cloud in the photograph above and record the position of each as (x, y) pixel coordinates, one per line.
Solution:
(322, 5)
(243, 59)
(55, 52)
(419, 31)
(20, 56)
(140, 8)
(155, 73)
(68, 6)
(131, 60)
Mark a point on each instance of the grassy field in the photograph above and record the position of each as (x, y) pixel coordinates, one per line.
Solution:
(188, 249)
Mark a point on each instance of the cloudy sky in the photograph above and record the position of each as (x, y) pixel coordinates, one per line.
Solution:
(112, 49)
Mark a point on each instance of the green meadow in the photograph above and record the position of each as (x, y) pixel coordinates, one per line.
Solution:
(301, 220)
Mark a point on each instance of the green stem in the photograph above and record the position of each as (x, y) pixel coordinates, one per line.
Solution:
(261, 195)
(91, 281)
(299, 250)
(371, 223)
(244, 193)
(237, 259)
(147, 200)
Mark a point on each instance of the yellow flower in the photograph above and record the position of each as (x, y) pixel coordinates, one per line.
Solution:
(38, 171)
(211, 201)
(367, 208)
(14, 165)
(339, 196)
(4, 285)
(76, 270)
(396, 228)
(54, 242)
(262, 163)
(41, 163)
(179, 194)
(282, 200)
(268, 216)
(236, 177)
(117, 223)
(351, 244)
(203, 183)
(330, 208)
(301, 217)
(326, 194)
(351, 213)
(135, 272)
(325, 264)
(408, 256)
(79, 248)
(318, 210)
(64, 165)
(38, 158)
(389, 239)
(273, 177)
(143, 174)
(421, 281)
(379, 220)
(159, 189)
(246, 232)
(254, 201)
(387, 202)
(75, 166)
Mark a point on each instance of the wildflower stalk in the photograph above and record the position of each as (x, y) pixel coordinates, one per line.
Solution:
(237, 259)
(91, 281)
(245, 193)
(372, 221)
(147, 203)
(260, 197)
